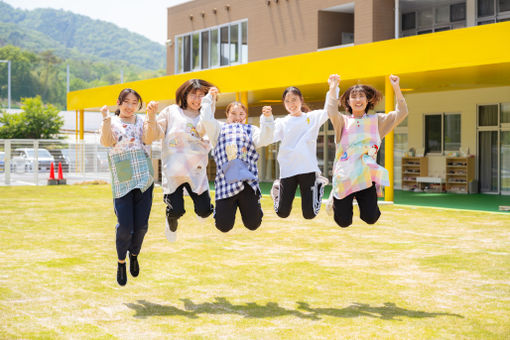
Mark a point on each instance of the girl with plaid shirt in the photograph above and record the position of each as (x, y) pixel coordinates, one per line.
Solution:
(235, 145)
(130, 136)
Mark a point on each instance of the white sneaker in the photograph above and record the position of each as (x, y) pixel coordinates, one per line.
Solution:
(170, 235)
(275, 194)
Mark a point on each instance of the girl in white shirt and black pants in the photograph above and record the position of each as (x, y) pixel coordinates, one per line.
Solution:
(297, 157)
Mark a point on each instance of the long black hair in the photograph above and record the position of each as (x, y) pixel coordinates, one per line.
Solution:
(294, 90)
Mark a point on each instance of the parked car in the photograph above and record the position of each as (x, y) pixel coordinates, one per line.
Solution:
(23, 159)
(59, 156)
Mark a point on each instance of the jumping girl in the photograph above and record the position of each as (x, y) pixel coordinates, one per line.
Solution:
(184, 154)
(358, 135)
(297, 158)
(130, 137)
(235, 145)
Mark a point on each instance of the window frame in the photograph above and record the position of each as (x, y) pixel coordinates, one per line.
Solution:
(442, 151)
(179, 53)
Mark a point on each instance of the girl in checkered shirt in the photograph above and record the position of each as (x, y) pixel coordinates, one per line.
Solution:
(130, 136)
(235, 145)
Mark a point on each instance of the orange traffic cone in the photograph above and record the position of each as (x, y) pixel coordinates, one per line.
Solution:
(60, 178)
(51, 179)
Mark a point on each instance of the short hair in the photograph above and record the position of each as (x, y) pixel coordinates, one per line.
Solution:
(234, 104)
(188, 86)
(123, 94)
(297, 92)
(373, 96)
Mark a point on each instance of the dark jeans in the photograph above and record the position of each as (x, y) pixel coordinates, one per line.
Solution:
(248, 202)
(132, 212)
(175, 202)
(367, 203)
(288, 188)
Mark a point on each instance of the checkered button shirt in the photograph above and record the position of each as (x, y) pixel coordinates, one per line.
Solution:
(240, 135)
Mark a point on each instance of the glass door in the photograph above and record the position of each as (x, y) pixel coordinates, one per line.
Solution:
(488, 161)
(505, 162)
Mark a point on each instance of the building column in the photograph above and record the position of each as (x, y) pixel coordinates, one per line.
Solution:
(389, 105)
(470, 13)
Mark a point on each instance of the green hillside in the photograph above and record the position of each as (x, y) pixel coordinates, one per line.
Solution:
(76, 36)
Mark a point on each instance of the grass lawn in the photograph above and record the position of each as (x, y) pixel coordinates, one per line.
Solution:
(419, 273)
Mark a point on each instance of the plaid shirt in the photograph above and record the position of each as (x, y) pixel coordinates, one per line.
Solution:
(130, 164)
(241, 137)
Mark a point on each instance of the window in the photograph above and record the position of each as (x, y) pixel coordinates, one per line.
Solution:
(491, 11)
(213, 47)
(488, 115)
(505, 113)
(408, 21)
(434, 19)
(442, 132)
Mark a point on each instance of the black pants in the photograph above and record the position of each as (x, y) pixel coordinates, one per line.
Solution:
(132, 212)
(175, 202)
(367, 203)
(287, 193)
(248, 202)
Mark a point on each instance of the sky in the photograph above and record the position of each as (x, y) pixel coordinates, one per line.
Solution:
(146, 17)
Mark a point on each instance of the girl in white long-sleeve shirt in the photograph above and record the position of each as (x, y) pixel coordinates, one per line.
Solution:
(234, 150)
(297, 157)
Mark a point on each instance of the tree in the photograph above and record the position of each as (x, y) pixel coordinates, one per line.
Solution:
(37, 121)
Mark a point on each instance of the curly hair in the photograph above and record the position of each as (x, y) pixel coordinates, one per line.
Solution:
(373, 96)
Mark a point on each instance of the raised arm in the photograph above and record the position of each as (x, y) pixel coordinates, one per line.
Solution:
(387, 122)
(207, 121)
(107, 138)
(151, 130)
(332, 105)
(265, 134)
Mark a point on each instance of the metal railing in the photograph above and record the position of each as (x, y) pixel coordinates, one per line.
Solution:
(28, 161)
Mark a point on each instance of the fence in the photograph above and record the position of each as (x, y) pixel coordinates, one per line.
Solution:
(27, 161)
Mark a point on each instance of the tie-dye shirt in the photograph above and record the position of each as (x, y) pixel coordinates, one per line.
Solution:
(184, 154)
(355, 162)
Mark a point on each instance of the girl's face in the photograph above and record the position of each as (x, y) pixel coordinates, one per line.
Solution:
(293, 103)
(358, 103)
(128, 106)
(194, 99)
(236, 115)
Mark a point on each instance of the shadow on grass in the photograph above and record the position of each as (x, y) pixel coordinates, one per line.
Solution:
(221, 305)
(389, 311)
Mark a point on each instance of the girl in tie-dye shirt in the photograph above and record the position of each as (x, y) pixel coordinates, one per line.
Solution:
(358, 136)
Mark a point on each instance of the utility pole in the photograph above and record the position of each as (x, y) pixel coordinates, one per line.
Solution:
(8, 82)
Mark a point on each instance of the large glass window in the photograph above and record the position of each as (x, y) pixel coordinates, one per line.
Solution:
(205, 49)
(224, 46)
(505, 113)
(442, 132)
(215, 48)
(434, 18)
(244, 42)
(234, 43)
(195, 52)
(504, 5)
(488, 115)
(505, 162)
(432, 133)
(218, 46)
(186, 55)
(451, 134)
(485, 8)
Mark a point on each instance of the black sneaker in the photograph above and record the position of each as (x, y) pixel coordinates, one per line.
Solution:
(134, 267)
(121, 273)
(172, 224)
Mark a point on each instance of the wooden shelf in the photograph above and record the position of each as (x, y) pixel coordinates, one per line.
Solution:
(460, 171)
(413, 167)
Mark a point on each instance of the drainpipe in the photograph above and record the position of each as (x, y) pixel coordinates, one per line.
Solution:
(397, 18)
